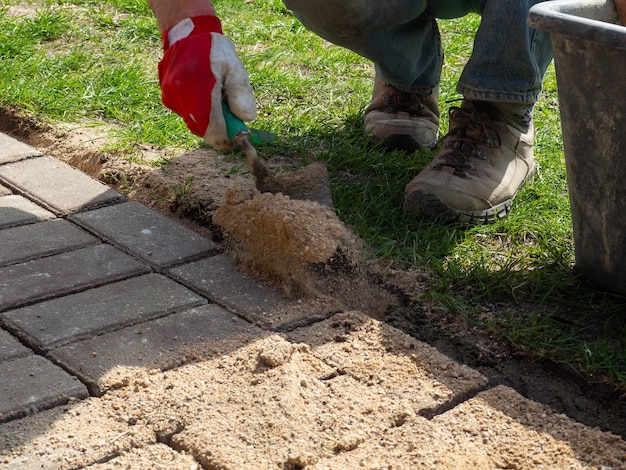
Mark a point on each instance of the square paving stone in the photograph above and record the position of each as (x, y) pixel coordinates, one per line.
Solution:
(111, 360)
(27, 242)
(33, 383)
(11, 348)
(12, 150)
(95, 311)
(4, 191)
(17, 210)
(151, 236)
(374, 352)
(65, 273)
(57, 186)
(222, 281)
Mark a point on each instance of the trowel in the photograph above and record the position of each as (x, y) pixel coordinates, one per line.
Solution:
(308, 183)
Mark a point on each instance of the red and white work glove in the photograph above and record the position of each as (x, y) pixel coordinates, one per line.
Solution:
(199, 69)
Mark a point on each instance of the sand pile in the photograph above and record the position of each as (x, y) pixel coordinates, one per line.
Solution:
(301, 247)
(277, 237)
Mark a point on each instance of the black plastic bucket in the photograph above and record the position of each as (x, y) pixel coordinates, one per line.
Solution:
(589, 48)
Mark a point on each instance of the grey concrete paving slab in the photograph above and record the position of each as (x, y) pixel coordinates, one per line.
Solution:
(65, 273)
(11, 348)
(70, 436)
(27, 242)
(222, 281)
(373, 352)
(67, 319)
(17, 210)
(151, 236)
(59, 321)
(111, 360)
(32, 383)
(12, 150)
(56, 185)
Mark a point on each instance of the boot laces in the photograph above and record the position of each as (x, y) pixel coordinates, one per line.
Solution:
(472, 129)
(404, 101)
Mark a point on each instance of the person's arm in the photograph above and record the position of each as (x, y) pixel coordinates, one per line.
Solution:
(170, 12)
(200, 69)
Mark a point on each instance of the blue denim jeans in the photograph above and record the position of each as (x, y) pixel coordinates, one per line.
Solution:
(402, 38)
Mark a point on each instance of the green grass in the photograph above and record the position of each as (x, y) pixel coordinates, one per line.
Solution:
(95, 62)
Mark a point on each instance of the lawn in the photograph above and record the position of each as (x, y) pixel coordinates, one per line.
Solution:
(94, 63)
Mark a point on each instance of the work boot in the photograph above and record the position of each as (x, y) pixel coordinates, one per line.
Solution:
(479, 169)
(402, 120)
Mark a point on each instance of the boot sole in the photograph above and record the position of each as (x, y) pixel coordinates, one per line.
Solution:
(429, 205)
(402, 142)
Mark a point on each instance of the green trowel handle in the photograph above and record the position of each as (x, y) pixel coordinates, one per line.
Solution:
(234, 125)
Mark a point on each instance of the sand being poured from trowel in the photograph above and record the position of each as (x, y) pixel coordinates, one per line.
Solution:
(277, 236)
(301, 247)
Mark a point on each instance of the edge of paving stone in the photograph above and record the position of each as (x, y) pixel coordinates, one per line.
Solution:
(15, 150)
(219, 279)
(197, 246)
(162, 343)
(28, 335)
(65, 387)
(108, 197)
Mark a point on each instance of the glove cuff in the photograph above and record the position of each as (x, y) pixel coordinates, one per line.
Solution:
(190, 27)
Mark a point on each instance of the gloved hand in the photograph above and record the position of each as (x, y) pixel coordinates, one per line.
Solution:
(199, 69)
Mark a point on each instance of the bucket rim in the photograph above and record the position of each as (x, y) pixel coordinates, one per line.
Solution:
(566, 17)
